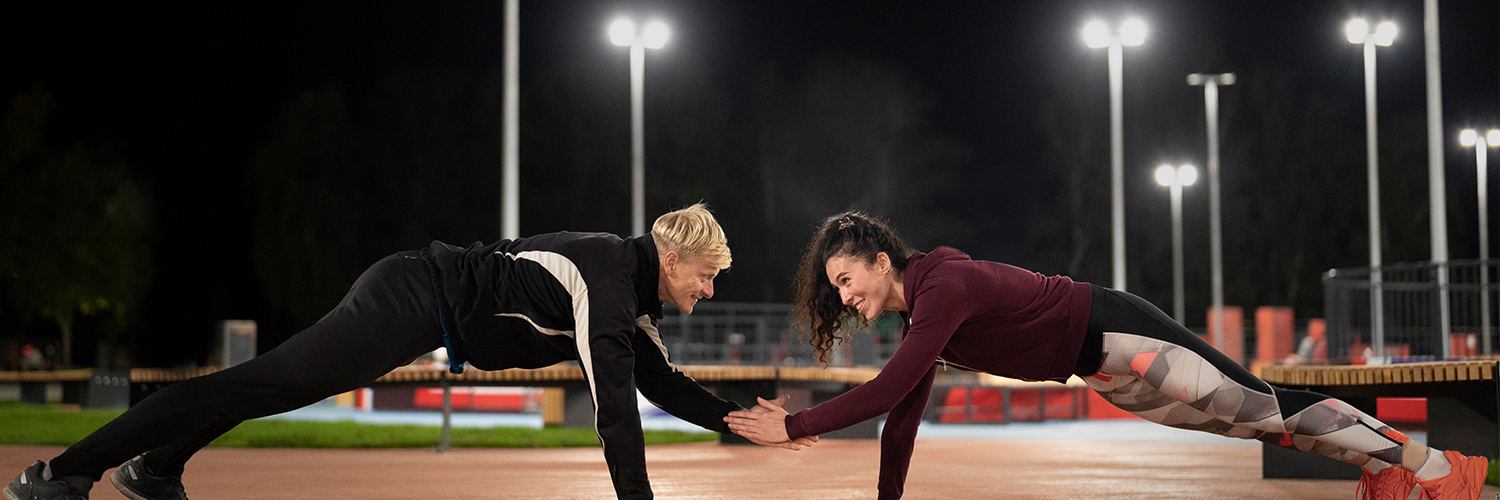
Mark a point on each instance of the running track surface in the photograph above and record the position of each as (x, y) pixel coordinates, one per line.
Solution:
(834, 469)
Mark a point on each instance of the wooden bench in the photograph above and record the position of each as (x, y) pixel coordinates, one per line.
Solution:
(1463, 403)
(565, 398)
(88, 388)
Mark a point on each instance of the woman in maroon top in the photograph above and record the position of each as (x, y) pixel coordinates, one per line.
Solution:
(1000, 319)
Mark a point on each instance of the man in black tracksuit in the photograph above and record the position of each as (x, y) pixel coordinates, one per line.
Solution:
(523, 303)
(584, 296)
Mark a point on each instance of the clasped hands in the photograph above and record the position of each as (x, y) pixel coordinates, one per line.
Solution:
(765, 425)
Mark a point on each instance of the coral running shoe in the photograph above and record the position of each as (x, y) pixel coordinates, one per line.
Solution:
(1393, 483)
(1462, 483)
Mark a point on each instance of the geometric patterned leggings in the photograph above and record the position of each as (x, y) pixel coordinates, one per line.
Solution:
(1158, 370)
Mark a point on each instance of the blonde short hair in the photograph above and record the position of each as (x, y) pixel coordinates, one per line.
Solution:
(692, 231)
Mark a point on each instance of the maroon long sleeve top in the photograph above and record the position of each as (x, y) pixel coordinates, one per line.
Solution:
(975, 315)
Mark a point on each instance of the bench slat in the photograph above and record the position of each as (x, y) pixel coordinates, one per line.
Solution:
(1426, 372)
(555, 373)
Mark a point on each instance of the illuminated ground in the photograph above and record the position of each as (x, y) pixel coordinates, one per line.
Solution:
(942, 469)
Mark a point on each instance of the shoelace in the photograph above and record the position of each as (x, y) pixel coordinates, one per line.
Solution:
(1362, 491)
(1369, 487)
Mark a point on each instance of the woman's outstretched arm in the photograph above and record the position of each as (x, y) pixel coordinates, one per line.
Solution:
(940, 307)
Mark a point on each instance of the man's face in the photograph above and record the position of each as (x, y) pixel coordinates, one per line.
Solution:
(685, 280)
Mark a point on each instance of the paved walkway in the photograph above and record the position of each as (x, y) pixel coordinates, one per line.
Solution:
(1058, 430)
(942, 469)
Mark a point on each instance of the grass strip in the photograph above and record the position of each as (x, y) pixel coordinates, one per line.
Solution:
(60, 425)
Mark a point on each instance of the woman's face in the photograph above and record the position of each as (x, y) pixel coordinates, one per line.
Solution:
(869, 288)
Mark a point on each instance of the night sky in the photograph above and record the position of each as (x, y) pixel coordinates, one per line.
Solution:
(190, 90)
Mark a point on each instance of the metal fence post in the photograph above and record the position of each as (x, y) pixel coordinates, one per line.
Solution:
(447, 438)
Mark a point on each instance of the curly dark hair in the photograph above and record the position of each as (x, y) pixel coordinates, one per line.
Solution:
(818, 304)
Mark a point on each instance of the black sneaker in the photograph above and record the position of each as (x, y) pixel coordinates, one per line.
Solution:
(136, 483)
(36, 483)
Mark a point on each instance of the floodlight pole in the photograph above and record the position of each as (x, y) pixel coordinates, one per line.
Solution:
(1211, 83)
(510, 177)
(1358, 34)
(1480, 161)
(637, 139)
(1481, 143)
(1178, 297)
(1437, 195)
(1117, 160)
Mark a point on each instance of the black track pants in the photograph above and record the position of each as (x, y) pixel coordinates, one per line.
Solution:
(387, 319)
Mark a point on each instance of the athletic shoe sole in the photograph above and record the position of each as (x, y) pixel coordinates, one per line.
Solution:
(117, 480)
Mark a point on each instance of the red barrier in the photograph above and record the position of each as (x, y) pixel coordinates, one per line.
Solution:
(510, 399)
(1273, 333)
(996, 405)
(1234, 332)
(1063, 404)
(1463, 345)
(1099, 409)
(1401, 410)
(1317, 330)
(1025, 405)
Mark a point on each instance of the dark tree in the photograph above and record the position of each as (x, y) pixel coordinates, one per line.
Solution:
(850, 133)
(344, 182)
(73, 226)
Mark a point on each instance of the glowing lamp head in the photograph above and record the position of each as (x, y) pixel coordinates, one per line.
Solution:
(1132, 32)
(622, 32)
(1492, 138)
(655, 35)
(1096, 34)
(1385, 34)
(1187, 175)
(1357, 30)
(1166, 175)
(1468, 137)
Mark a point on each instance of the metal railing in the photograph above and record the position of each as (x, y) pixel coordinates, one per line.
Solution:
(1429, 310)
(746, 333)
